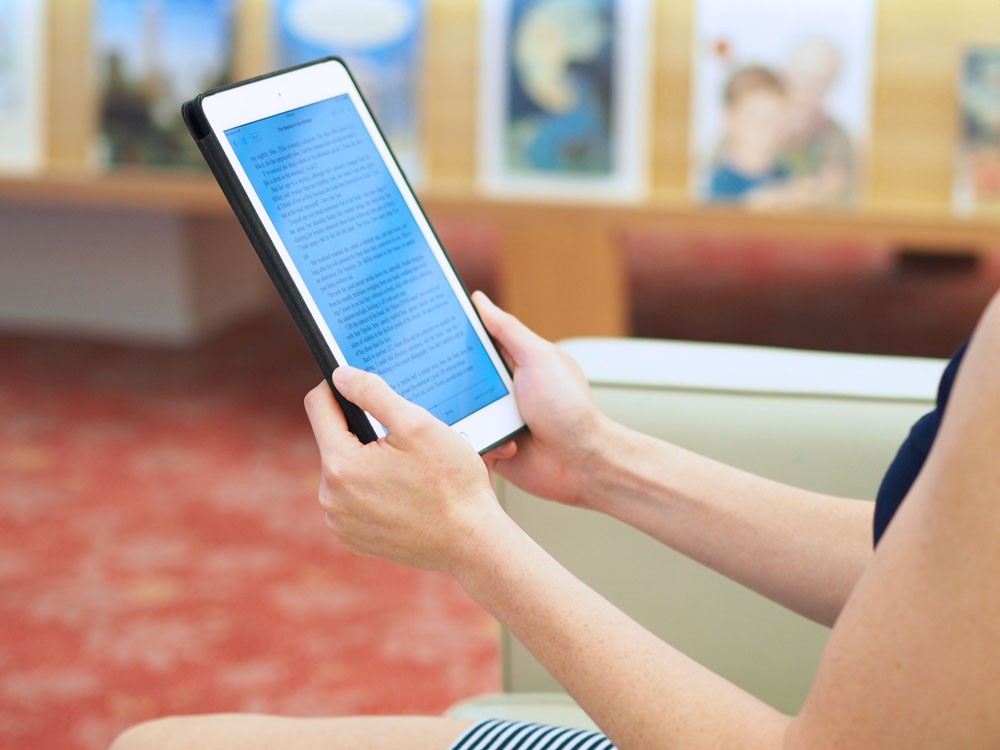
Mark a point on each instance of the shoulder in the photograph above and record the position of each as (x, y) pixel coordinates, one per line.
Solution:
(959, 485)
(989, 324)
(921, 625)
(976, 389)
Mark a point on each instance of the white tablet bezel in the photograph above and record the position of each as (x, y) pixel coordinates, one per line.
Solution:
(318, 82)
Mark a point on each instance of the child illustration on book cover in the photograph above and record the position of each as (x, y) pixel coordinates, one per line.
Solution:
(781, 102)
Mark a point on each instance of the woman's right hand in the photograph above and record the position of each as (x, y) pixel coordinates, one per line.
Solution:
(554, 398)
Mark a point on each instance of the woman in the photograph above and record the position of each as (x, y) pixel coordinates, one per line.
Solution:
(914, 654)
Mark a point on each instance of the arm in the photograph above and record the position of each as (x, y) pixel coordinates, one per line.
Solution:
(911, 662)
(801, 549)
(421, 497)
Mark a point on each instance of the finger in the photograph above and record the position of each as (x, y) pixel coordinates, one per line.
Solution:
(369, 392)
(326, 418)
(510, 333)
(503, 451)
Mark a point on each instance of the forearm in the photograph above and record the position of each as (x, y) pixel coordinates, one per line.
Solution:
(639, 690)
(802, 549)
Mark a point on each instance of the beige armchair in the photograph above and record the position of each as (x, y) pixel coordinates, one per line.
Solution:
(829, 422)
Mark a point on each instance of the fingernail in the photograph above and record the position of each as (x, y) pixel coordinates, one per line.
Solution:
(343, 375)
(485, 298)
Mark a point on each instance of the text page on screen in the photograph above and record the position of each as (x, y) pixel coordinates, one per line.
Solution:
(363, 258)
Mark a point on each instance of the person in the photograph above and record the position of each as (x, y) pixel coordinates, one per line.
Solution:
(755, 121)
(913, 655)
(817, 154)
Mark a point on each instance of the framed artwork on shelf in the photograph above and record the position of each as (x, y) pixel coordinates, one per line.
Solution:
(564, 89)
(152, 55)
(22, 86)
(977, 168)
(382, 43)
(781, 99)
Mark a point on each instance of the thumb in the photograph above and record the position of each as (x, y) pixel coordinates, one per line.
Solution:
(369, 392)
(513, 335)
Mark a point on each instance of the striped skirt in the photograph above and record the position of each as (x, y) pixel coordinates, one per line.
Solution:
(502, 734)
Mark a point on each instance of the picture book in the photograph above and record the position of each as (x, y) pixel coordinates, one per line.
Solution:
(152, 55)
(381, 43)
(977, 177)
(564, 98)
(22, 85)
(781, 101)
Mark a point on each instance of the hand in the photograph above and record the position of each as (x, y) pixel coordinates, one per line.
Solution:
(554, 399)
(416, 497)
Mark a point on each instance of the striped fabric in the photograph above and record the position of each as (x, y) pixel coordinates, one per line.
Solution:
(502, 734)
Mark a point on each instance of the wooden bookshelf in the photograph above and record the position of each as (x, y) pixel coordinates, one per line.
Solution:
(928, 227)
(576, 246)
(907, 201)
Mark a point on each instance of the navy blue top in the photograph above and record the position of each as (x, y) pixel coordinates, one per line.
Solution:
(904, 468)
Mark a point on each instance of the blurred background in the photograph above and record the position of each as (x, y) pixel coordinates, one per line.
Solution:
(161, 550)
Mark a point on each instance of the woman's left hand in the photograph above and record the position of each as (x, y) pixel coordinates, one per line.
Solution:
(419, 496)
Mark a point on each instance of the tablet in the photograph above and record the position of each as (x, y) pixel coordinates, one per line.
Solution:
(346, 243)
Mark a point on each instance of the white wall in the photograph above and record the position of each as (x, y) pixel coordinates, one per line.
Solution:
(151, 277)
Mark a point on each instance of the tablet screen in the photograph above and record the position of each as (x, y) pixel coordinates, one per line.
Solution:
(363, 258)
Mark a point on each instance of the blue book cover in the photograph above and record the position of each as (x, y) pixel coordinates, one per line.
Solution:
(560, 78)
(152, 55)
(381, 42)
(563, 98)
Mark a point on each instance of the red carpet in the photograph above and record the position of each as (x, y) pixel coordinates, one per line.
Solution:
(162, 551)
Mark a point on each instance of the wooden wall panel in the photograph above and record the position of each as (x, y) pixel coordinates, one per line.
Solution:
(450, 94)
(671, 95)
(72, 115)
(915, 112)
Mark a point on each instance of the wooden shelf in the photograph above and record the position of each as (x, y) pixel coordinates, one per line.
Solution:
(579, 244)
(193, 194)
(908, 226)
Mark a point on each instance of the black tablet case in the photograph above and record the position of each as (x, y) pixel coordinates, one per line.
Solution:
(194, 118)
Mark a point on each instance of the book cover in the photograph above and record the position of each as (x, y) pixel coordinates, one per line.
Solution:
(381, 42)
(22, 85)
(152, 55)
(563, 98)
(781, 99)
(977, 178)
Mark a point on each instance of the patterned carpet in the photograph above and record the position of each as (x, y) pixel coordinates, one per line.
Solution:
(162, 551)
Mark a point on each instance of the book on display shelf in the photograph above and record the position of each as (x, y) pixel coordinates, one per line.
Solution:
(781, 100)
(977, 169)
(564, 99)
(22, 86)
(151, 55)
(382, 43)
